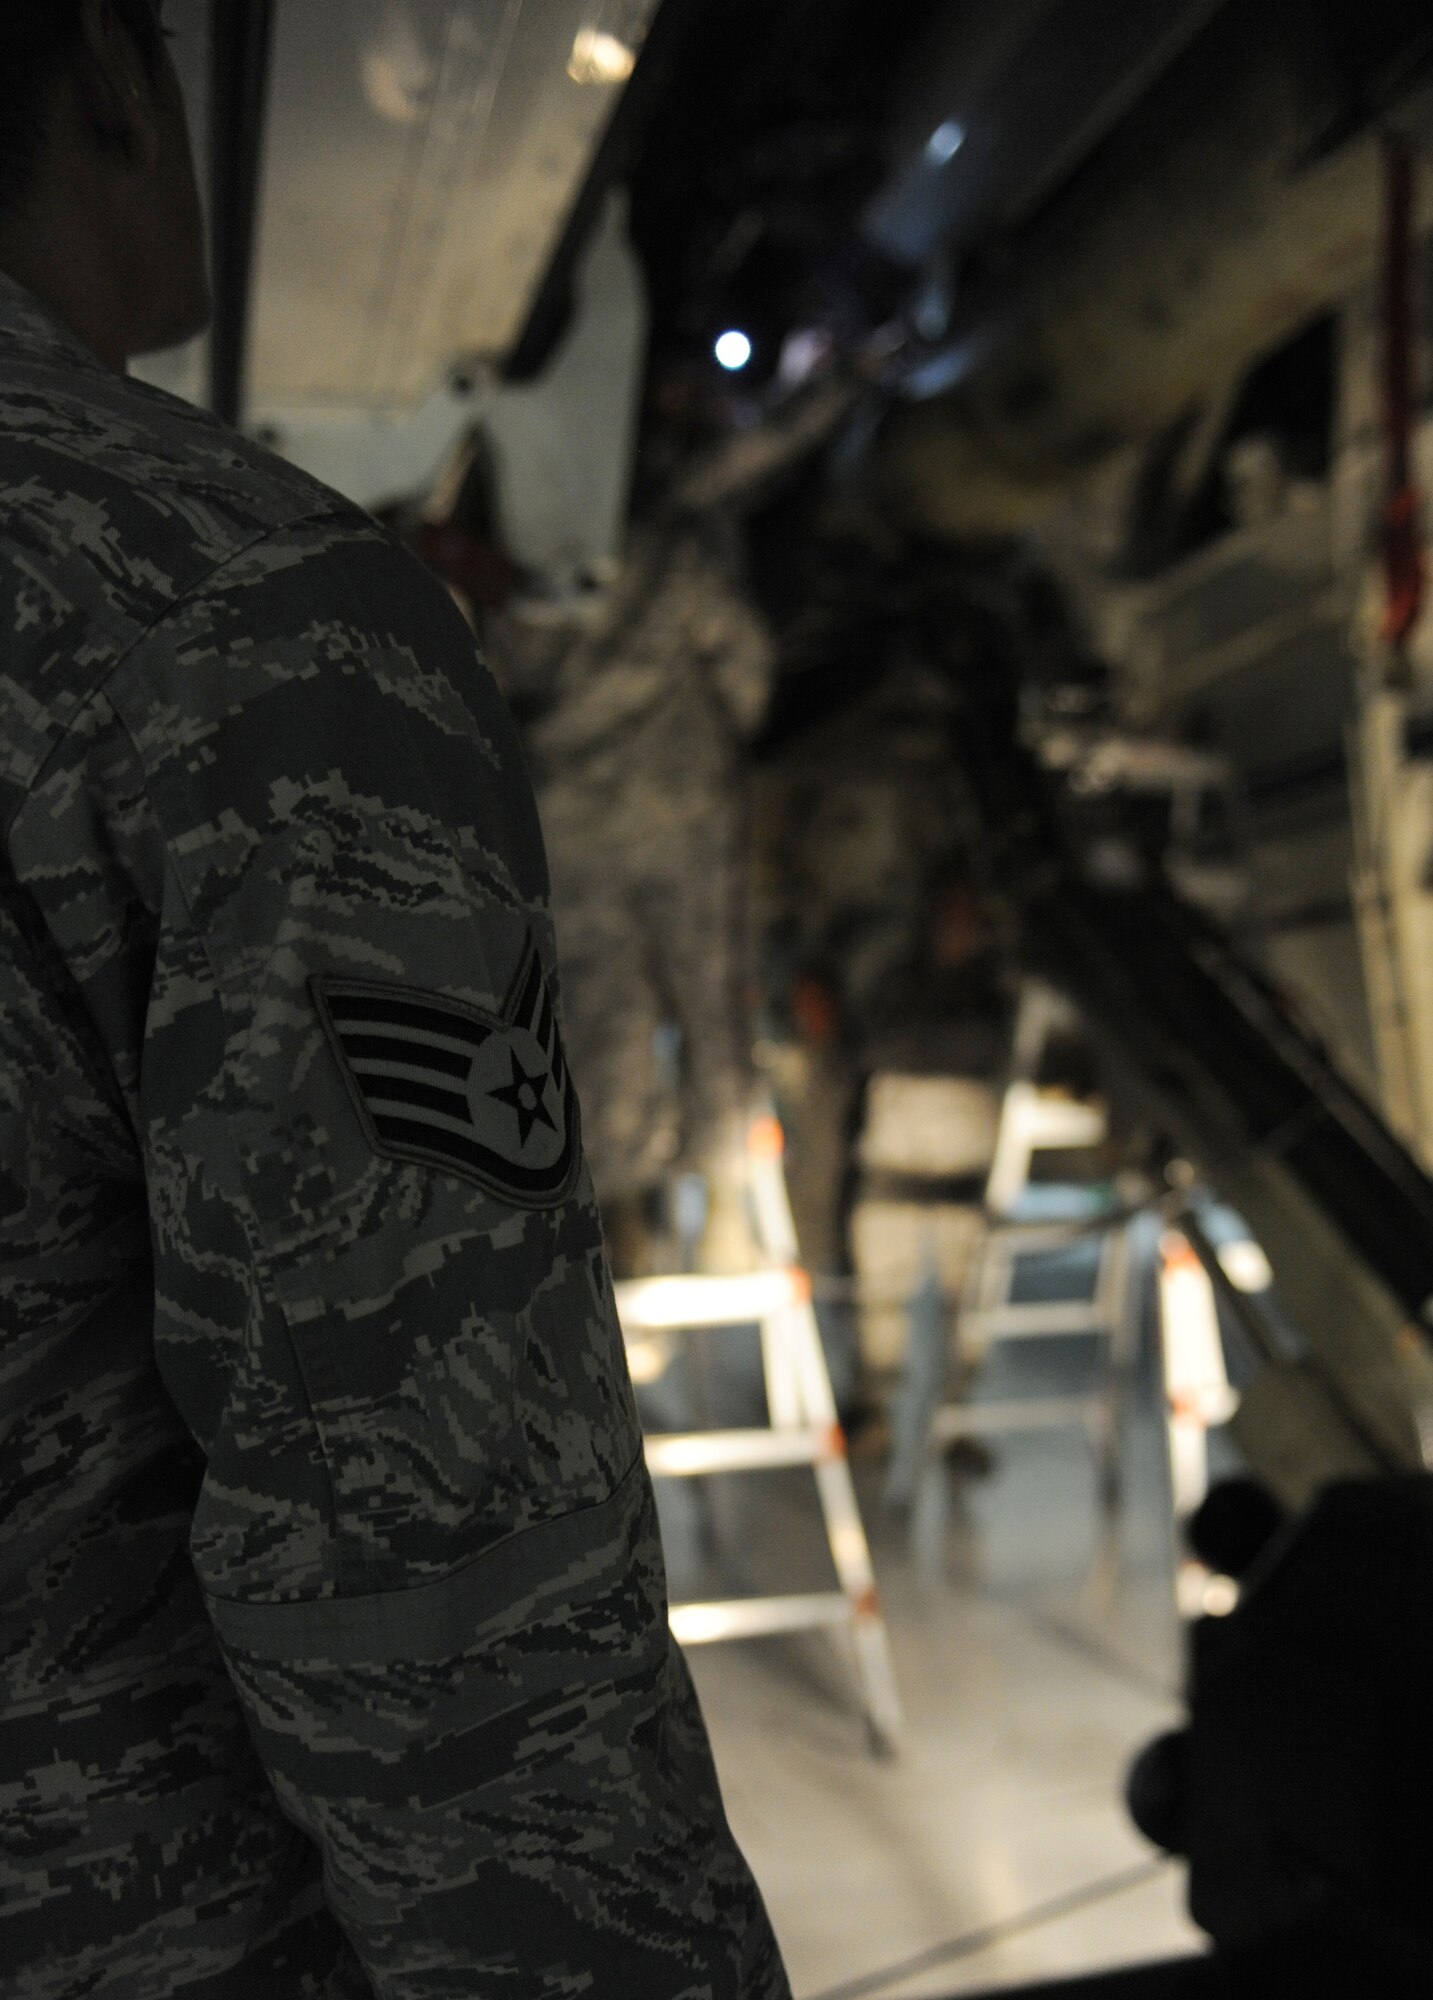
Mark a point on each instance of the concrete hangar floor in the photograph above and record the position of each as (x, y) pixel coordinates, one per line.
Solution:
(1037, 1648)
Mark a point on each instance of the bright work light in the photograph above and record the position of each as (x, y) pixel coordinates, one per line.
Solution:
(733, 350)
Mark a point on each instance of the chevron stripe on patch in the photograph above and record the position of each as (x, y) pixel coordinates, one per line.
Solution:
(437, 1080)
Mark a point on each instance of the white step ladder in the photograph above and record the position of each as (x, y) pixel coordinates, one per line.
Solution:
(803, 1430)
(1031, 1121)
(1198, 1396)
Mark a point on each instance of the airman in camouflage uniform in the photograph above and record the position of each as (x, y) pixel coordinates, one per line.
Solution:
(333, 1622)
(639, 764)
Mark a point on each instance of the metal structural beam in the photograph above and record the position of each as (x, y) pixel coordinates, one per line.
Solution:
(240, 48)
(1240, 198)
(551, 309)
(1005, 99)
(1202, 1048)
(1340, 1207)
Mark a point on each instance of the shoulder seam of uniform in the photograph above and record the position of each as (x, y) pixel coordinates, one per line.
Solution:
(342, 510)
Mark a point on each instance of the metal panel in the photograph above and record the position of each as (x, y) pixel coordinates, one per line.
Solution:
(184, 371)
(422, 157)
(1006, 98)
(563, 443)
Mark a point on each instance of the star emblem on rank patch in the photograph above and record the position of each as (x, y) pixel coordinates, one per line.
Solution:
(485, 1095)
(524, 1094)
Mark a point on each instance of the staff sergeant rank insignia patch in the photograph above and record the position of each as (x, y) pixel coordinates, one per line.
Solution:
(437, 1080)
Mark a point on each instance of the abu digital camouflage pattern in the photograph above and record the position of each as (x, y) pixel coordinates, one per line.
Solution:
(332, 1612)
(639, 763)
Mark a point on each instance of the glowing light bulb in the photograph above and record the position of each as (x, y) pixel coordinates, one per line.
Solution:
(1221, 1596)
(945, 142)
(1246, 1266)
(733, 350)
(600, 58)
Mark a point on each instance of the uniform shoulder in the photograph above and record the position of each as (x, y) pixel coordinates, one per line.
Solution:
(118, 504)
(165, 483)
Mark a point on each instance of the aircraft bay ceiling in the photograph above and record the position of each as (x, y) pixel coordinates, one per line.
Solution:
(1010, 220)
(417, 163)
(417, 184)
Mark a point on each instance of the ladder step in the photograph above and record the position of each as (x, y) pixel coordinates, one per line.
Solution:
(1029, 1239)
(1032, 1413)
(681, 1454)
(751, 1617)
(1047, 1123)
(1029, 1322)
(652, 1305)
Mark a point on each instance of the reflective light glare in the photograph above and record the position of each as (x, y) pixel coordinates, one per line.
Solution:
(599, 58)
(694, 1623)
(647, 1360)
(1423, 1420)
(1220, 1597)
(1191, 1580)
(1246, 1267)
(801, 353)
(733, 350)
(945, 142)
(398, 73)
(685, 1300)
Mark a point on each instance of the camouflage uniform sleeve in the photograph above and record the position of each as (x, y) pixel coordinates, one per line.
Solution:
(425, 1535)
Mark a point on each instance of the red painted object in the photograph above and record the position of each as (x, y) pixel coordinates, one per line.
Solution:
(485, 575)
